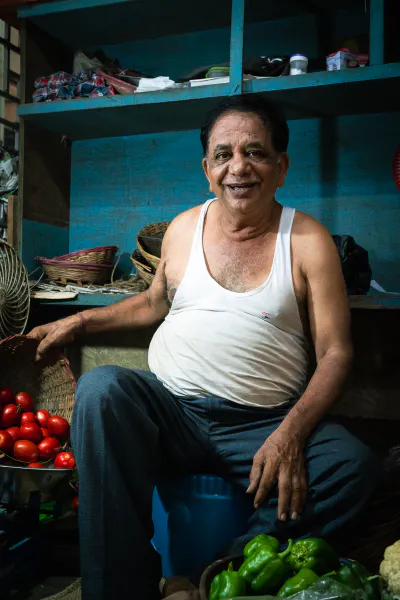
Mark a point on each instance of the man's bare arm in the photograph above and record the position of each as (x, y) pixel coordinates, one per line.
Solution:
(329, 316)
(281, 456)
(143, 310)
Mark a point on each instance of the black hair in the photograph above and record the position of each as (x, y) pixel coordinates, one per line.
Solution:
(269, 112)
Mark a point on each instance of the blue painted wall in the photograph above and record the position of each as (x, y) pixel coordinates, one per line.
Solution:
(340, 173)
(340, 168)
(39, 239)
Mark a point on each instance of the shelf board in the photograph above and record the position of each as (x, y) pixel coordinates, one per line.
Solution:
(88, 300)
(93, 23)
(376, 302)
(370, 302)
(113, 116)
(351, 91)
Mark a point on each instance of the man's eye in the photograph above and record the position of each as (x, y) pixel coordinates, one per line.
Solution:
(256, 153)
(222, 156)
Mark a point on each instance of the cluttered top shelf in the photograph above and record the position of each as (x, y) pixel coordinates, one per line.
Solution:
(348, 91)
(84, 23)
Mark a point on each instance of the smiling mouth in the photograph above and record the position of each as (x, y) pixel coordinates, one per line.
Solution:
(240, 186)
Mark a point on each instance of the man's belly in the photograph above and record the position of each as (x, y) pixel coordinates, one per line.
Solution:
(199, 353)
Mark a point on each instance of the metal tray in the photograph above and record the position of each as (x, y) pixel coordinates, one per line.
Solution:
(17, 483)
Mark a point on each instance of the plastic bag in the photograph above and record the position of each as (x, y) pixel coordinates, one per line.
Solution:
(324, 589)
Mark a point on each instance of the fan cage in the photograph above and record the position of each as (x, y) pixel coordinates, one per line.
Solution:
(14, 292)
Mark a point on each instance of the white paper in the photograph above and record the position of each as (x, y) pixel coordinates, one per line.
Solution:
(157, 83)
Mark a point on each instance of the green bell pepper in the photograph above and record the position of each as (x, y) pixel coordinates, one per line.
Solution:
(227, 584)
(266, 570)
(301, 581)
(261, 540)
(314, 554)
(356, 577)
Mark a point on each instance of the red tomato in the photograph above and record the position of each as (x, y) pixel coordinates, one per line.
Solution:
(45, 432)
(42, 416)
(28, 417)
(32, 432)
(14, 432)
(24, 400)
(26, 451)
(36, 466)
(6, 395)
(49, 448)
(10, 415)
(6, 442)
(75, 504)
(58, 426)
(64, 460)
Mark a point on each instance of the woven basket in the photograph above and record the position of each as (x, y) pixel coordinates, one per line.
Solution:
(75, 272)
(144, 270)
(50, 381)
(102, 255)
(155, 230)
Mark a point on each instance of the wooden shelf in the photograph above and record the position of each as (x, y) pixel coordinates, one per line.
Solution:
(372, 302)
(87, 23)
(351, 91)
(88, 300)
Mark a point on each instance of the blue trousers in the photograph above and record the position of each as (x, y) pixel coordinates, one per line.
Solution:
(127, 429)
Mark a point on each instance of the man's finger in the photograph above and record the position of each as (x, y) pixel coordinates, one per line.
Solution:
(284, 493)
(44, 345)
(255, 476)
(266, 482)
(296, 503)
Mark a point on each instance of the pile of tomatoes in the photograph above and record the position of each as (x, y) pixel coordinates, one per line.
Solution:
(29, 437)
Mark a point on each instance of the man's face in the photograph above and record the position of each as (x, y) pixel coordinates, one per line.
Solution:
(242, 166)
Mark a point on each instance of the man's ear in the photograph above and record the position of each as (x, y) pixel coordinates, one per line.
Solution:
(283, 168)
(204, 162)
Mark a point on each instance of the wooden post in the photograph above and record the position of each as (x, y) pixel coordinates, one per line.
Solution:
(376, 32)
(14, 222)
(236, 55)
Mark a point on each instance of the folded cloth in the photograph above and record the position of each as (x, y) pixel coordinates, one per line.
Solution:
(64, 86)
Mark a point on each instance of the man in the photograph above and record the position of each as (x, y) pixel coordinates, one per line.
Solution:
(242, 281)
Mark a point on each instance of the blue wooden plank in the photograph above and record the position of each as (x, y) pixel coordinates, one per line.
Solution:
(53, 8)
(86, 300)
(236, 53)
(92, 300)
(376, 37)
(371, 89)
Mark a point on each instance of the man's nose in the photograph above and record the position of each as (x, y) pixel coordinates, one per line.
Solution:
(238, 164)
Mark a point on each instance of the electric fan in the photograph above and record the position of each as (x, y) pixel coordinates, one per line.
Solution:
(14, 292)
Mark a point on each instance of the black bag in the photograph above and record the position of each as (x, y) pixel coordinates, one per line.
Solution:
(355, 266)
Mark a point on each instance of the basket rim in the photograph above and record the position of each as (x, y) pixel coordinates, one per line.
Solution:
(85, 251)
(56, 352)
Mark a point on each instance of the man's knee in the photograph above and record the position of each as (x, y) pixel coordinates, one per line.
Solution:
(366, 468)
(96, 387)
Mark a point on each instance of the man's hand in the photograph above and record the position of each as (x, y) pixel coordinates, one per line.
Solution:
(55, 335)
(280, 459)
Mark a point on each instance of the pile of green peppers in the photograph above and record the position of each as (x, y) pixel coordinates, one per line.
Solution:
(265, 570)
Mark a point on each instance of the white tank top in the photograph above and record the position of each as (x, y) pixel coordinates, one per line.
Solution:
(245, 347)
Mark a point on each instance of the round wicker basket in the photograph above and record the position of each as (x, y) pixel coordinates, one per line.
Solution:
(75, 272)
(50, 381)
(153, 230)
(144, 270)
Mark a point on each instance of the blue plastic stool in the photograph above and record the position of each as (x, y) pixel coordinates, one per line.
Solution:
(194, 518)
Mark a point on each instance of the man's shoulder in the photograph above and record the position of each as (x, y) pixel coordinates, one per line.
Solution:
(309, 228)
(182, 227)
(311, 241)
